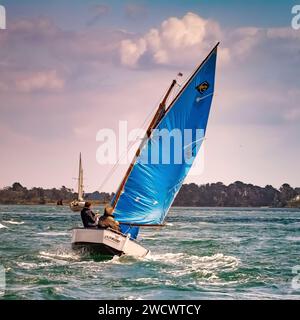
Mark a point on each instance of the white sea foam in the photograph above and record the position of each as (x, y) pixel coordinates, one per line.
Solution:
(134, 298)
(53, 233)
(155, 281)
(148, 238)
(208, 266)
(13, 222)
(2, 226)
(290, 238)
(33, 265)
(27, 265)
(115, 259)
(59, 256)
(152, 281)
(167, 257)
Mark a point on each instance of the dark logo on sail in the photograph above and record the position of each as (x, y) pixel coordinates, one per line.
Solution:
(202, 87)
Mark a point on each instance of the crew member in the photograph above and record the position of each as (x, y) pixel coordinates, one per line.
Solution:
(107, 220)
(88, 217)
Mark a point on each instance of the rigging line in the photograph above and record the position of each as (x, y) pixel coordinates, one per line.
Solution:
(113, 169)
(193, 142)
(152, 124)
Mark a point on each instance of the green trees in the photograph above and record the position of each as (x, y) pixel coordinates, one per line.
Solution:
(237, 194)
(17, 194)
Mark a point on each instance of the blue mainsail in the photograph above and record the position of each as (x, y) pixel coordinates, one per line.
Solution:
(153, 183)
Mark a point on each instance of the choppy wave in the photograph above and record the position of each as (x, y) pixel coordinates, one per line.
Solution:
(228, 254)
(32, 265)
(60, 255)
(53, 233)
(290, 238)
(134, 298)
(184, 264)
(13, 222)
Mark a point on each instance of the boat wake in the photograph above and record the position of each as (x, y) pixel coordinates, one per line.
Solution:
(181, 264)
(60, 255)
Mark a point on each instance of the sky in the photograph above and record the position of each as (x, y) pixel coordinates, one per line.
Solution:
(71, 68)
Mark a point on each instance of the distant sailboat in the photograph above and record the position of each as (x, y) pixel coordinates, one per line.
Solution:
(148, 189)
(78, 204)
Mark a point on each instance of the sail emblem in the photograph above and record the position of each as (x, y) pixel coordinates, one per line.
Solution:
(202, 87)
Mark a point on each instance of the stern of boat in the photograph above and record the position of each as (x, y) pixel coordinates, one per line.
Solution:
(107, 242)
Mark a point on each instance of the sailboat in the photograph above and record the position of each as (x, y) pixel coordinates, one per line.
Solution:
(148, 189)
(78, 204)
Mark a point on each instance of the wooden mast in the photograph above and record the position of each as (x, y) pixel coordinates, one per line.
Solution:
(157, 117)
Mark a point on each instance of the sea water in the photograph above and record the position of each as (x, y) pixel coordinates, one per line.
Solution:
(201, 253)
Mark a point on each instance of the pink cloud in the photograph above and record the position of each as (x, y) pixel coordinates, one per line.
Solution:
(283, 33)
(37, 81)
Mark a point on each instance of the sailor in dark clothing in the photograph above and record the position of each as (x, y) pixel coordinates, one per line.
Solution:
(88, 217)
(107, 220)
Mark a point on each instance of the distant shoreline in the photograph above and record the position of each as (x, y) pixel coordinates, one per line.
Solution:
(237, 194)
(65, 203)
(95, 203)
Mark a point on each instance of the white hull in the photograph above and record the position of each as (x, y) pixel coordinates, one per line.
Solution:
(77, 205)
(107, 242)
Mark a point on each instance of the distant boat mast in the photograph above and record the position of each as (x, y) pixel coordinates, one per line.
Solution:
(80, 180)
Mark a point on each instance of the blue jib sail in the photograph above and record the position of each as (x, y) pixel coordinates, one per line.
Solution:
(168, 154)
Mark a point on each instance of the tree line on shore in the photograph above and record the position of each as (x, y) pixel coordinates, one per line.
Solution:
(237, 194)
(17, 194)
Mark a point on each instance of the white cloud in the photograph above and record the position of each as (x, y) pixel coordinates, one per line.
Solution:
(131, 51)
(283, 33)
(177, 41)
(244, 40)
(37, 26)
(183, 41)
(185, 32)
